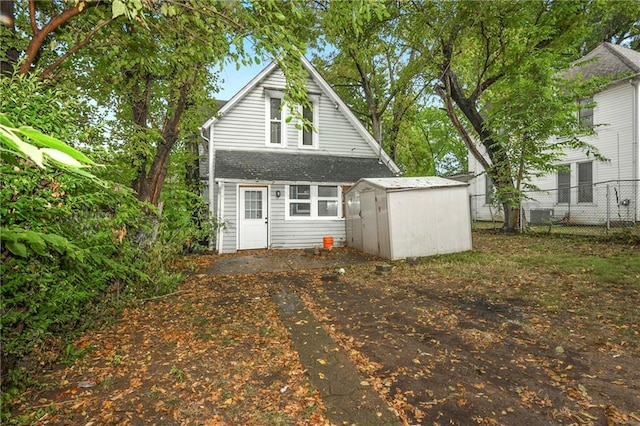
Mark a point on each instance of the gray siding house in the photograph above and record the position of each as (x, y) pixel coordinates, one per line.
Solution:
(588, 191)
(273, 184)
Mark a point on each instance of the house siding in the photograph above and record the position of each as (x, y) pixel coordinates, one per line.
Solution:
(244, 127)
(230, 218)
(613, 117)
(289, 234)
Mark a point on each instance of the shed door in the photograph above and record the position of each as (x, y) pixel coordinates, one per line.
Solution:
(253, 229)
(369, 222)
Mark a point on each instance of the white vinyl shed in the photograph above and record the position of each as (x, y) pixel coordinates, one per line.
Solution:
(402, 217)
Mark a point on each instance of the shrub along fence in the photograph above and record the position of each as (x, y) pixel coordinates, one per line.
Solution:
(598, 209)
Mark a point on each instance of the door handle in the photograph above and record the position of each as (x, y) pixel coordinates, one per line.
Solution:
(266, 220)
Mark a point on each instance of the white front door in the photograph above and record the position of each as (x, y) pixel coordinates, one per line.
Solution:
(253, 218)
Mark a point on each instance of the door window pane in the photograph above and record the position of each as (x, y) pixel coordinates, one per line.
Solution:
(253, 205)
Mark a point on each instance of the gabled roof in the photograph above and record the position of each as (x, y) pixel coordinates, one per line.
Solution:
(279, 166)
(607, 60)
(326, 89)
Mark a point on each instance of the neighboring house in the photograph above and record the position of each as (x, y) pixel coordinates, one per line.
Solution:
(588, 191)
(273, 184)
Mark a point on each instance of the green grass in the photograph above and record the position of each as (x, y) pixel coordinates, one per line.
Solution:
(589, 277)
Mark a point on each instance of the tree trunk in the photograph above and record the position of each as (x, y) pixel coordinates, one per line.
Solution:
(7, 20)
(149, 184)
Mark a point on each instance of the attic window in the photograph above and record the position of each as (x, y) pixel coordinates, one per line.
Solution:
(275, 119)
(308, 134)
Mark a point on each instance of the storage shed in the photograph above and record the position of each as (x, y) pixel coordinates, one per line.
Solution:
(402, 217)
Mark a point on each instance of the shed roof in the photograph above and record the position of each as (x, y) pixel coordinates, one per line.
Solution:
(407, 183)
(279, 166)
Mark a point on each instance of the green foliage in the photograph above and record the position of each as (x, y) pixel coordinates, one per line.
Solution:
(70, 245)
(428, 145)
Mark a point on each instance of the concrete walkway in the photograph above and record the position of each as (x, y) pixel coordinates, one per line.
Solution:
(260, 261)
(350, 400)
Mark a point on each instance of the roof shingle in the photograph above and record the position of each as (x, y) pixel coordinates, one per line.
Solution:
(607, 60)
(278, 166)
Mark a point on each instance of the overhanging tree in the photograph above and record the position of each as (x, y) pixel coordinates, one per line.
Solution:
(152, 75)
(496, 65)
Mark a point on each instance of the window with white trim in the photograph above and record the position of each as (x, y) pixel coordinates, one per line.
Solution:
(299, 200)
(313, 202)
(308, 130)
(585, 182)
(275, 119)
(564, 184)
(585, 113)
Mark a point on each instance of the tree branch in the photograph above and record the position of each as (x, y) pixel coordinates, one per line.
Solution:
(451, 113)
(74, 49)
(32, 17)
(38, 38)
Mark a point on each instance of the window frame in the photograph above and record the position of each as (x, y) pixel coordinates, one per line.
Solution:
(315, 112)
(585, 188)
(313, 202)
(269, 95)
(564, 188)
(585, 113)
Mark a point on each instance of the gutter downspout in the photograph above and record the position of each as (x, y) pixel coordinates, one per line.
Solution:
(636, 145)
(209, 141)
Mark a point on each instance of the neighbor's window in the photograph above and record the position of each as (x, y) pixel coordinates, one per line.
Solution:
(585, 113)
(585, 182)
(564, 186)
(311, 201)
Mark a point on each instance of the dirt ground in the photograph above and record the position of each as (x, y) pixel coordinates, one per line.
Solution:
(450, 340)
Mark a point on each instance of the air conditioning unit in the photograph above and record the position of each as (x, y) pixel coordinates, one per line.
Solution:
(540, 216)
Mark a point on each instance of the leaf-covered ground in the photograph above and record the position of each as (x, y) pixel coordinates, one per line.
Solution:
(520, 331)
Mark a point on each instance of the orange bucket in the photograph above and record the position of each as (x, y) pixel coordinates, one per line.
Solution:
(327, 242)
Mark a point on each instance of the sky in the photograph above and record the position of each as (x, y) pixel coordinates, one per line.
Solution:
(232, 80)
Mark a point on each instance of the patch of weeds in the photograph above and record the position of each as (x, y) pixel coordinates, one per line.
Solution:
(178, 373)
(72, 354)
(274, 418)
(204, 336)
(174, 402)
(200, 321)
(107, 382)
(116, 360)
(153, 393)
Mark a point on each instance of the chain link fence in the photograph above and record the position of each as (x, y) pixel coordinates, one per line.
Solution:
(598, 209)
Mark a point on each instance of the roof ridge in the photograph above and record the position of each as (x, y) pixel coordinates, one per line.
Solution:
(621, 56)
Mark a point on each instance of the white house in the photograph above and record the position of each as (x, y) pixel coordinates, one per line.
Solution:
(589, 191)
(276, 185)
